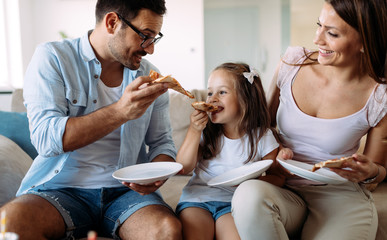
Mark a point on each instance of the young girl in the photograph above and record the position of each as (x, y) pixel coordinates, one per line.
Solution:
(238, 133)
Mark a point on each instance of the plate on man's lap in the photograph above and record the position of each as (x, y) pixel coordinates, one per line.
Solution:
(146, 173)
(304, 170)
(238, 175)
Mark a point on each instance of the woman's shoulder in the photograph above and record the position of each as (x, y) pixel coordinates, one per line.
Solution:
(377, 107)
(295, 55)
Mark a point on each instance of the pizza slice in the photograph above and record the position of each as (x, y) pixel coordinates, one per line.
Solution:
(332, 163)
(172, 82)
(203, 106)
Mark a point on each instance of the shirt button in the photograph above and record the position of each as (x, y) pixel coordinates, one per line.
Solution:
(75, 101)
(95, 76)
(94, 101)
(56, 171)
(97, 62)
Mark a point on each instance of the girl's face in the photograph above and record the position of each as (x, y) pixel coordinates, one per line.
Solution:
(222, 93)
(339, 43)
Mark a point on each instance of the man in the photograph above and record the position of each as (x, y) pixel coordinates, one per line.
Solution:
(91, 112)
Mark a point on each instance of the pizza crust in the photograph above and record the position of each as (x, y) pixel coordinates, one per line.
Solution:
(203, 106)
(332, 163)
(172, 83)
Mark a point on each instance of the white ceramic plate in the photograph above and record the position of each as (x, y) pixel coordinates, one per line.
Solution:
(146, 173)
(238, 175)
(304, 170)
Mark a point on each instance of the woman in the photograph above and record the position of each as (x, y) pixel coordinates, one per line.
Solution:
(324, 102)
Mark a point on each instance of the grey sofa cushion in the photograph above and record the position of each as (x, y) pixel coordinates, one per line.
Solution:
(14, 164)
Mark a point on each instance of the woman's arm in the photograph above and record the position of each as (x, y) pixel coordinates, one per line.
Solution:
(188, 152)
(371, 165)
(273, 98)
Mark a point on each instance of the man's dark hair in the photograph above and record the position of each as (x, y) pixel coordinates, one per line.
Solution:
(128, 8)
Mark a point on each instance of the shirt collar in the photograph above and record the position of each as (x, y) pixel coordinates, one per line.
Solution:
(86, 50)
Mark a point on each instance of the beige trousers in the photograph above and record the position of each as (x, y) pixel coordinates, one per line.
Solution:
(330, 212)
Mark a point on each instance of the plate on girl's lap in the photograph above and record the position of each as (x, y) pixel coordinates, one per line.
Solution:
(304, 170)
(238, 175)
(146, 173)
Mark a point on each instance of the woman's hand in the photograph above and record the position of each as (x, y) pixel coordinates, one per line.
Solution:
(358, 170)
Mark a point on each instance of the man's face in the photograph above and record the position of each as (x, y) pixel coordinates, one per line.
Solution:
(125, 46)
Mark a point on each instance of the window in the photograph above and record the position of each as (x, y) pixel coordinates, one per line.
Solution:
(11, 67)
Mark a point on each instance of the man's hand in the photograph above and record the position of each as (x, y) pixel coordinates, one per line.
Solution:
(144, 189)
(138, 96)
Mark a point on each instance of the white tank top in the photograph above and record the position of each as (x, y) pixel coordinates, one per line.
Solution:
(314, 139)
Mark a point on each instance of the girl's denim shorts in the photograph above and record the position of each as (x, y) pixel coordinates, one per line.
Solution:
(217, 209)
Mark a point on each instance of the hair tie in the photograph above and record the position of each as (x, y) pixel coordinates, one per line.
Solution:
(250, 75)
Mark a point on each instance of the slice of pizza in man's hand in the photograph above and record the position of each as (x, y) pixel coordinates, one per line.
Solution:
(332, 163)
(203, 106)
(172, 82)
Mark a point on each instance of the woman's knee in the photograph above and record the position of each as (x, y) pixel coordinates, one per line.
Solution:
(252, 193)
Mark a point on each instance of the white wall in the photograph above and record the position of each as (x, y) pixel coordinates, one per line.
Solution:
(304, 16)
(181, 51)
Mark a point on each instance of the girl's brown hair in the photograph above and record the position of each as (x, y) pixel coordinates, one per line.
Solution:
(255, 118)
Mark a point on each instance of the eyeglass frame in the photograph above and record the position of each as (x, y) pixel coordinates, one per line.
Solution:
(142, 35)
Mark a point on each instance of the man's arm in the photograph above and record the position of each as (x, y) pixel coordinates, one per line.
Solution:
(83, 130)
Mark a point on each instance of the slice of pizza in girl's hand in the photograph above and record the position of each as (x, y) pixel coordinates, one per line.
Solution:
(203, 106)
(332, 163)
(172, 82)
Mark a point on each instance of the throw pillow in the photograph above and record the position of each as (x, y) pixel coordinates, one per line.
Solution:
(14, 164)
(14, 125)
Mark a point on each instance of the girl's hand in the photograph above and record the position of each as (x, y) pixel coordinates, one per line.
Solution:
(283, 154)
(359, 170)
(199, 120)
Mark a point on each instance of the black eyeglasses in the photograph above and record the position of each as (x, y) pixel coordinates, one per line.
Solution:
(146, 40)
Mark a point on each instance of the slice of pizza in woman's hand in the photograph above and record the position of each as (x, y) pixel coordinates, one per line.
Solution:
(332, 163)
(172, 82)
(203, 106)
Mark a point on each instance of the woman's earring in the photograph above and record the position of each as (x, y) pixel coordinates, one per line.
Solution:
(362, 50)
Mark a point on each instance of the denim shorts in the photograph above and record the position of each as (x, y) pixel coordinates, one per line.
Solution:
(103, 210)
(217, 209)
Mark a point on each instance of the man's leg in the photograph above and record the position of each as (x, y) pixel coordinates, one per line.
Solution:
(133, 216)
(151, 222)
(33, 217)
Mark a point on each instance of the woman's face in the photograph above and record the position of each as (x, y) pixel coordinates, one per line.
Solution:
(338, 43)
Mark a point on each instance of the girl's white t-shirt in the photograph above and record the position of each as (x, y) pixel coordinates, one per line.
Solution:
(233, 154)
(94, 164)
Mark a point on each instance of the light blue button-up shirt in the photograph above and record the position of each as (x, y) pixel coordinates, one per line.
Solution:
(61, 82)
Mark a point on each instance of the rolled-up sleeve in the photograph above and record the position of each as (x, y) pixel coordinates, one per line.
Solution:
(44, 98)
(159, 134)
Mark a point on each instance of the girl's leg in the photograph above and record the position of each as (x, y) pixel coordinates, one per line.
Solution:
(197, 224)
(225, 228)
(264, 211)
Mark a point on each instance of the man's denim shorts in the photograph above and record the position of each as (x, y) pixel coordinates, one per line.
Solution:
(103, 210)
(217, 209)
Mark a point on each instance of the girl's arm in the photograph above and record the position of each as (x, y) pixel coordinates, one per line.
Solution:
(273, 175)
(188, 152)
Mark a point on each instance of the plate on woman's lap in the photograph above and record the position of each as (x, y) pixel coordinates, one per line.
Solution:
(146, 173)
(304, 170)
(238, 175)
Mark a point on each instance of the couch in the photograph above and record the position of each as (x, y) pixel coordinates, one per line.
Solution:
(16, 153)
